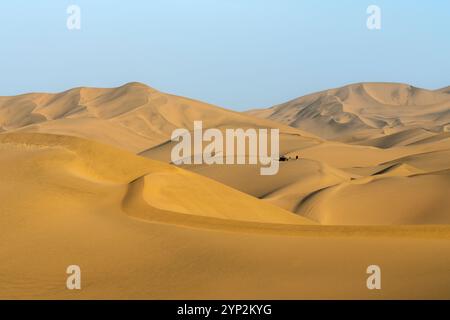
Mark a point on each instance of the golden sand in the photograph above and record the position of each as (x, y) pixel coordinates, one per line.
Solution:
(85, 180)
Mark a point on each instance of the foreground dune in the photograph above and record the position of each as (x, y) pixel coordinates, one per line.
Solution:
(308, 186)
(67, 201)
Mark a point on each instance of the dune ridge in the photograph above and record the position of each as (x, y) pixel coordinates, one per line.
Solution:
(169, 184)
(364, 111)
(134, 116)
(87, 203)
(86, 179)
(333, 164)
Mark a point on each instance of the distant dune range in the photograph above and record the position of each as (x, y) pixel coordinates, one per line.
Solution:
(86, 179)
(134, 116)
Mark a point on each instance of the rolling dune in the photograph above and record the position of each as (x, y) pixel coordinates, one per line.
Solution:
(134, 116)
(165, 187)
(112, 213)
(332, 165)
(141, 119)
(364, 111)
(86, 179)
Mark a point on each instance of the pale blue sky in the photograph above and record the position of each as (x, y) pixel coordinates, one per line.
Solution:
(238, 54)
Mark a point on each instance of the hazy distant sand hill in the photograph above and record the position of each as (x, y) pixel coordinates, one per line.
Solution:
(377, 114)
(71, 192)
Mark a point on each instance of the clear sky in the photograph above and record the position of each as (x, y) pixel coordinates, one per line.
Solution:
(238, 54)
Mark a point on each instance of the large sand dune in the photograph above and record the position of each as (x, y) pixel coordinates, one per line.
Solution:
(77, 187)
(364, 111)
(134, 116)
(324, 166)
(163, 186)
(66, 201)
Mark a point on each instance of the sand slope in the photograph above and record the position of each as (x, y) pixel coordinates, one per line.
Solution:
(364, 111)
(444, 90)
(66, 200)
(141, 228)
(134, 116)
(337, 166)
(139, 118)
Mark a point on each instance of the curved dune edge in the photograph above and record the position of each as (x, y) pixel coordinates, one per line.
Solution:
(135, 206)
(222, 207)
(70, 201)
(379, 114)
(133, 116)
(382, 200)
(133, 170)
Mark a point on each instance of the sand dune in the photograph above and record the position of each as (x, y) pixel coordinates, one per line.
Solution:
(367, 201)
(134, 116)
(113, 213)
(165, 187)
(444, 90)
(325, 164)
(388, 201)
(332, 164)
(86, 179)
(358, 112)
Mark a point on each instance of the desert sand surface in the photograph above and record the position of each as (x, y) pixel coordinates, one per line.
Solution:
(86, 179)
(359, 113)
(381, 174)
(134, 116)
